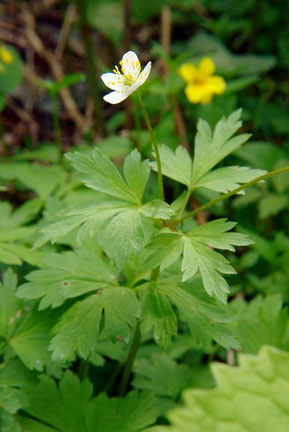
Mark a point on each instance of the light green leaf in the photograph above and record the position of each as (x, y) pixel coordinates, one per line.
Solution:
(157, 209)
(195, 246)
(272, 204)
(136, 173)
(129, 414)
(79, 327)
(124, 236)
(215, 234)
(30, 342)
(177, 166)
(261, 322)
(39, 178)
(205, 318)
(226, 179)
(210, 148)
(9, 305)
(251, 397)
(99, 173)
(66, 275)
(89, 217)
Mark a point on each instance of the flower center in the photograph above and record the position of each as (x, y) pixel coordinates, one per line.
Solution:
(127, 79)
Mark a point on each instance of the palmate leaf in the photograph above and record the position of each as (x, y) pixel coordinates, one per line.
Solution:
(79, 327)
(99, 173)
(23, 329)
(67, 275)
(14, 377)
(15, 237)
(62, 407)
(39, 178)
(68, 407)
(130, 414)
(210, 149)
(197, 256)
(206, 319)
(124, 231)
(261, 322)
(251, 397)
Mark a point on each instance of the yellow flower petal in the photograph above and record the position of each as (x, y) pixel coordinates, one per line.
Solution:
(207, 98)
(5, 55)
(216, 84)
(195, 93)
(188, 72)
(207, 66)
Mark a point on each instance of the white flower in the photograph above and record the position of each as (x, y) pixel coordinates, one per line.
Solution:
(128, 80)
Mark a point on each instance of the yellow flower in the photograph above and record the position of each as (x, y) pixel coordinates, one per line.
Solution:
(5, 55)
(201, 83)
(127, 80)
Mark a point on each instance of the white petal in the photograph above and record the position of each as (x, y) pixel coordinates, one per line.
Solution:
(117, 96)
(131, 65)
(144, 74)
(113, 81)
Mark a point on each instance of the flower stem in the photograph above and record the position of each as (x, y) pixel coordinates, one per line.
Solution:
(233, 192)
(155, 144)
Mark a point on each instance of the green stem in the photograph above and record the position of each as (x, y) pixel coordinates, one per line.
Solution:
(229, 194)
(129, 361)
(133, 348)
(55, 121)
(155, 144)
(185, 202)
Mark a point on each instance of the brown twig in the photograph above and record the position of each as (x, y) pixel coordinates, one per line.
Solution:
(65, 30)
(55, 67)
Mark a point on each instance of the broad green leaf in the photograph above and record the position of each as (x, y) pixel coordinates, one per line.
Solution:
(78, 329)
(60, 406)
(157, 314)
(99, 173)
(11, 399)
(157, 209)
(197, 255)
(261, 322)
(89, 217)
(205, 318)
(30, 342)
(211, 148)
(124, 236)
(177, 166)
(66, 275)
(9, 305)
(15, 239)
(234, 64)
(136, 173)
(165, 377)
(215, 234)
(226, 179)
(250, 397)
(272, 204)
(39, 178)
(24, 329)
(129, 414)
